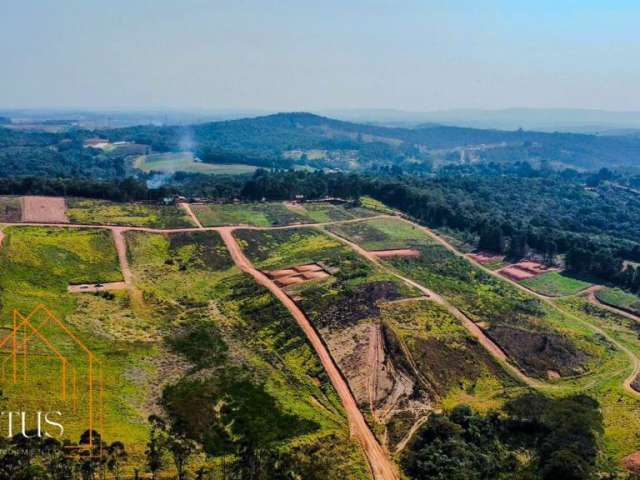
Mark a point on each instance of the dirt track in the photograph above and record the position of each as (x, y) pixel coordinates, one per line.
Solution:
(382, 468)
(187, 208)
(44, 209)
(635, 361)
(91, 287)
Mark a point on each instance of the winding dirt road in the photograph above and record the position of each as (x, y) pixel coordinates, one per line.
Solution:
(633, 358)
(381, 467)
(194, 219)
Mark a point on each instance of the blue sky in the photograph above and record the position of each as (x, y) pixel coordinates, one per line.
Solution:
(303, 55)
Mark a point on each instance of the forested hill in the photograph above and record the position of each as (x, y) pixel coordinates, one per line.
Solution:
(275, 135)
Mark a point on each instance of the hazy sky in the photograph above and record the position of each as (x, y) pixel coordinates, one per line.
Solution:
(303, 54)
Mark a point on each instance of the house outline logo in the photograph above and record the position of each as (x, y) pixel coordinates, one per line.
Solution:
(17, 343)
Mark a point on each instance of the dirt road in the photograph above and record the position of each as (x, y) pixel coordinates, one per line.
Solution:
(381, 467)
(633, 358)
(494, 350)
(187, 208)
(92, 288)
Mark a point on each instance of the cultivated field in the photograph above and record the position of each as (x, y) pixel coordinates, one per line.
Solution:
(44, 209)
(256, 214)
(104, 212)
(186, 162)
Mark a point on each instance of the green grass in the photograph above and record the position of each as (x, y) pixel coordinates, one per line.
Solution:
(255, 214)
(185, 162)
(10, 210)
(326, 212)
(555, 284)
(103, 212)
(620, 299)
(37, 264)
(245, 349)
(373, 204)
(381, 233)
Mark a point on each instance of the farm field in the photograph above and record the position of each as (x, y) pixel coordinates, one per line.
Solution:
(555, 284)
(381, 234)
(104, 212)
(360, 309)
(186, 162)
(37, 264)
(255, 214)
(229, 339)
(620, 299)
(10, 209)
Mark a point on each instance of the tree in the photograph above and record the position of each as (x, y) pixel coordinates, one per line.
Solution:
(156, 446)
(181, 449)
(116, 456)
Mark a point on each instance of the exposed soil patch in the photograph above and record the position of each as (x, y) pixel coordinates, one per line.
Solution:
(403, 252)
(352, 306)
(484, 257)
(632, 462)
(636, 384)
(96, 287)
(523, 270)
(299, 274)
(538, 352)
(44, 210)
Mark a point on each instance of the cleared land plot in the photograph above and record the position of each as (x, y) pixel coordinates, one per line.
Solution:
(238, 344)
(10, 209)
(382, 234)
(298, 274)
(186, 162)
(524, 270)
(254, 214)
(620, 299)
(37, 265)
(96, 287)
(403, 252)
(44, 210)
(104, 212)
(327, 212)
(493, 262)
(555, 284)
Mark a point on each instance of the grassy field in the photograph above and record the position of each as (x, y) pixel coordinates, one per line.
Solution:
(555, 284)
(620, 299)
(37, 264)
(327, 212)
(381, 233)
(103, 212)
(238, 345)
(373, 204)
(255, 214)
(186, 162)
(10, 210)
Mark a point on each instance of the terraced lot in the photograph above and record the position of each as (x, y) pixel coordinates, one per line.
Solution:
(556, 284)
(103, 212)
(620, 299)
(381, 234)
(256, 214)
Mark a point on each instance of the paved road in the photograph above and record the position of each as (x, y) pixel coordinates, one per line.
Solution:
(381, 467)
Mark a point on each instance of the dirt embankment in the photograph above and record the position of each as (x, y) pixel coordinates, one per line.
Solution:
(44, 210)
